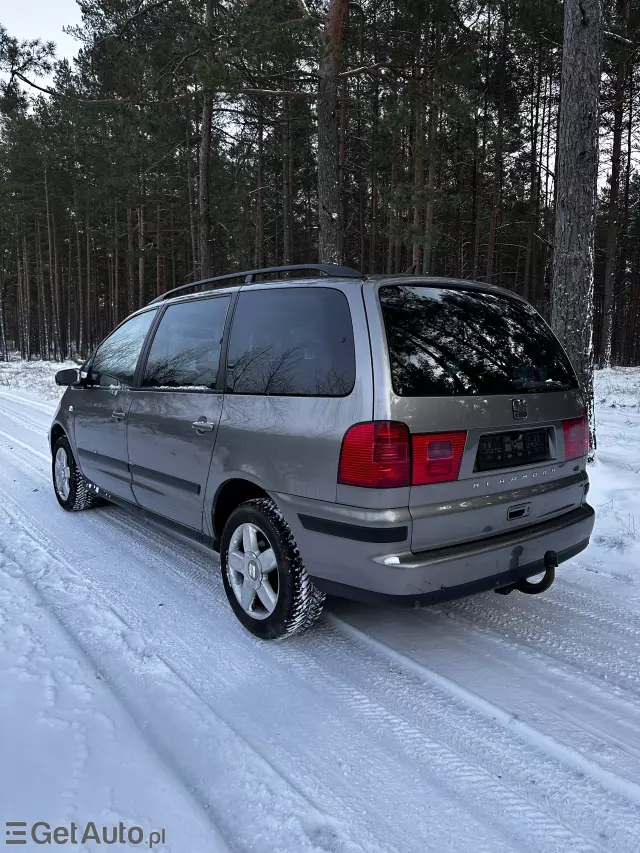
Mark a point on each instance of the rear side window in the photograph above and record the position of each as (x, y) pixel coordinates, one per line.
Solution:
(185, 352)
(450, 342)
(292, 342)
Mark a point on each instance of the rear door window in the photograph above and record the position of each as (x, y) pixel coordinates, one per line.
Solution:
(455, 342)
(291, 342)
(185, 353)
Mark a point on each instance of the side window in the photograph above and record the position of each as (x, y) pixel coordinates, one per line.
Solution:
(293, 342)
(116, 358)
(185, 352)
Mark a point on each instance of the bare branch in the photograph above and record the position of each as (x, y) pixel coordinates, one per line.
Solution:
(139, 102)
(620, 39)
(303, 96)
(364, 69)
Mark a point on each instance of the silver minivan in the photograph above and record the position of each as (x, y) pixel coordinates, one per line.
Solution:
(403, 439)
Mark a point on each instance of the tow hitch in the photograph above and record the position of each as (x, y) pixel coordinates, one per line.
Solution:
(551, 563)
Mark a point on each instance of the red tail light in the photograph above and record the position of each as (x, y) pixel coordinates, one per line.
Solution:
(576, 437)
(437, 457)
(375, 455)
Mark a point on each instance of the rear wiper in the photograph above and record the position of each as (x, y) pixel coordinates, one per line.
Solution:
(539, 385)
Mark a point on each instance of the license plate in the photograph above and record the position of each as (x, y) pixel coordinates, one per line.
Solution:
(509, 449)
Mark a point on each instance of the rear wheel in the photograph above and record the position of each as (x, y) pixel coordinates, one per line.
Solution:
(72, 490)
(263, 574)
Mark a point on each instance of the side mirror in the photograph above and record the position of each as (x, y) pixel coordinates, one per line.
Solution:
(70, 376)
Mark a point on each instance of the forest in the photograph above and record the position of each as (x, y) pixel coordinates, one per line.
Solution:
(191, 138)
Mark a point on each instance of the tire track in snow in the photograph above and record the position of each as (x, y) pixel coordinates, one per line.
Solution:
(615, 663)
(46, 408)
(106, 625)
(490, 844)
(529, 774)
(39, 427)
(624, 788)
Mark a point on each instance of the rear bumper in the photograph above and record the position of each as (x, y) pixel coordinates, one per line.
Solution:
(371, 571)
(448, 593)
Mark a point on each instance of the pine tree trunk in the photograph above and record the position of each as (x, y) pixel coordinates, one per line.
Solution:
(373, 237)
(496, 197)
(606, 326)
(142, 240)
(204, 163)
(130, 265)
(3, 332)
(427, 253)
(624, 247)
(89, 300)
(173, 246)
(259, 234)
(286, 184)
(393, 205)
(342, 169)
(328, 71)
(43, 320)
(80, 338)
(21, 297)
(159, 287)
(530, 266)
(204, 210)
(53, 282)
(418, 183)
(69, 299)
(192, 224)
(432, 136)
(116, 267)
(483, 148)
(576, 180)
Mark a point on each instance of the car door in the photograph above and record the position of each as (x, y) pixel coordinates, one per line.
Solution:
(101, 405)
(174, 414)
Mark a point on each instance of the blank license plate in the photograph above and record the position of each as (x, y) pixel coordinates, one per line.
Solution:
(508, 449)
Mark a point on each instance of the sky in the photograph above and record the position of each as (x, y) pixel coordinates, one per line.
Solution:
(43, 19)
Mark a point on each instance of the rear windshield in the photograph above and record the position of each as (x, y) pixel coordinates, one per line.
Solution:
(446, 342)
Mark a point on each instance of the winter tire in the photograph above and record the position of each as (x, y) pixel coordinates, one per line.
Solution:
(263, 574)
(72, 490)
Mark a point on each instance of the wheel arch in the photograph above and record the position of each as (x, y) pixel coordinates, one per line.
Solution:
(56, 432)
(228, 497)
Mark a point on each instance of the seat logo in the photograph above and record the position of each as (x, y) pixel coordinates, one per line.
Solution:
(519, 409)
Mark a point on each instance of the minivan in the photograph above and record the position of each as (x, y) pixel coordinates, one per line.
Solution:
(403, 439)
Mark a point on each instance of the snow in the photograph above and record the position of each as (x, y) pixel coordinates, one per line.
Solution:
(129, 693)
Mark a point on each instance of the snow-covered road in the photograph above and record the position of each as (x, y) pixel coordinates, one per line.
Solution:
(129, 692)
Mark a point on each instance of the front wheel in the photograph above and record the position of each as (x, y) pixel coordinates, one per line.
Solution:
(72, 490)
(263, 574)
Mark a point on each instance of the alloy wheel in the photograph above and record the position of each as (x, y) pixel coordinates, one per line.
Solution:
(252, 569)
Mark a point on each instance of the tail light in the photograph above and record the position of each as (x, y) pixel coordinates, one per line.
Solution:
(375, 455)
(576, 437)
(382, 455)
(437, 457)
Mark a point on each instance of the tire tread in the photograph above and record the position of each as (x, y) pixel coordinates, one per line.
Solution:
(308, 601)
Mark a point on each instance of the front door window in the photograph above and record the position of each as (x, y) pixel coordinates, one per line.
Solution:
(114, 364)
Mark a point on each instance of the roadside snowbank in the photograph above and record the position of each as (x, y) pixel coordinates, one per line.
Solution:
(35, 377)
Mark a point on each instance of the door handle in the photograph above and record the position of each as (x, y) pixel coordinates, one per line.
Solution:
(203, 425)
(118, 416)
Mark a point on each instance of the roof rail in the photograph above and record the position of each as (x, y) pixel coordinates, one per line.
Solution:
(250, 275)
